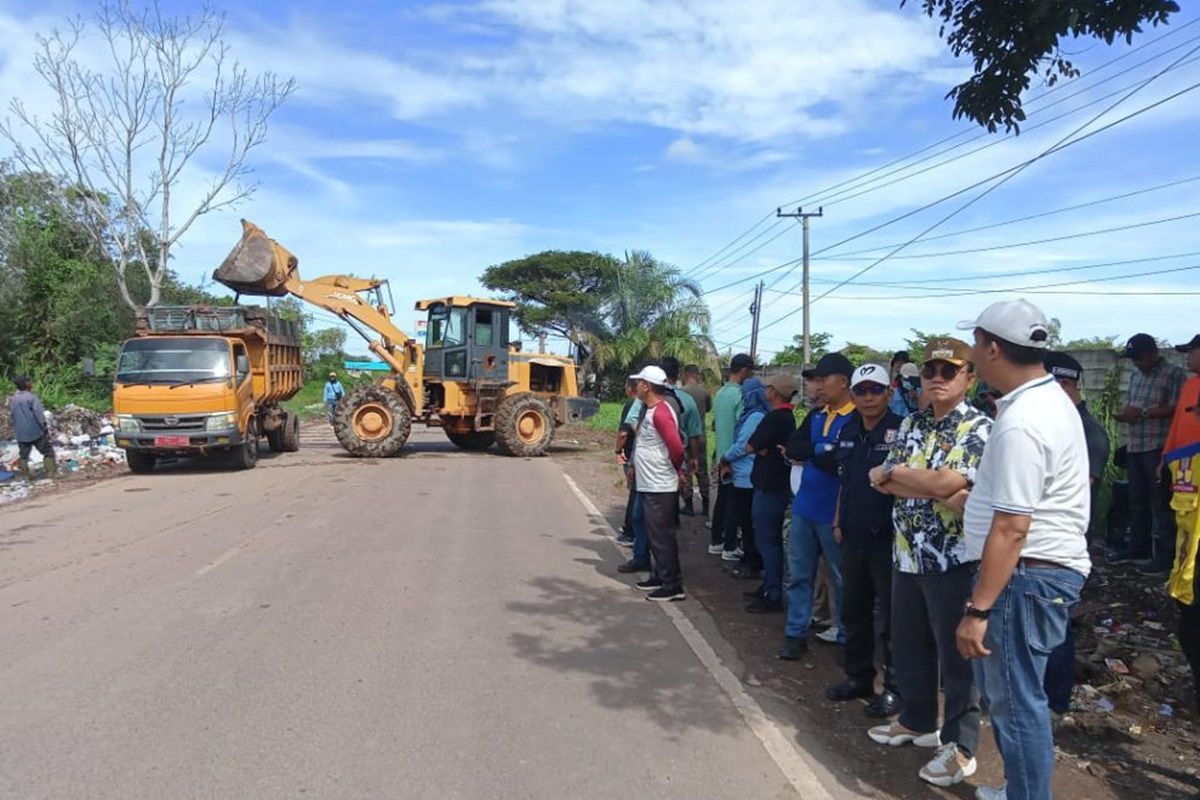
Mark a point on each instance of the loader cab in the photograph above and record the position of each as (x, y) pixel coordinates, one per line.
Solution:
(466, 339)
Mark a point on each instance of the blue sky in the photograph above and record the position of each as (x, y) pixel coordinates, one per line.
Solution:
(427, 141)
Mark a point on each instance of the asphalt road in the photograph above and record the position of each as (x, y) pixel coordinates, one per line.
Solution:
(444, 625)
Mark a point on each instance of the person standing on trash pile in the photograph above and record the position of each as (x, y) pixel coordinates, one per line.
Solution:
(333, 393)
(30, 428)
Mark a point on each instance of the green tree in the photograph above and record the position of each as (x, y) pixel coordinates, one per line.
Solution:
(916, 345)
(1093, 343)
(793, 354)
(860, 354)
(1009, 42)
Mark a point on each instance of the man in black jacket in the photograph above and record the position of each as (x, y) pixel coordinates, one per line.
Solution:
(862, 525)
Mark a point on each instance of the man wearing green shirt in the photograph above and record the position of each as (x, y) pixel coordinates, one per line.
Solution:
(726, 408)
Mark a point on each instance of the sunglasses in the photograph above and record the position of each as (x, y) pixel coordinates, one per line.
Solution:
(946, 370)
(864, 389)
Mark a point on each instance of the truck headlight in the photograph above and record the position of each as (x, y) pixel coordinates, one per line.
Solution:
(128, 424)
(220, 422)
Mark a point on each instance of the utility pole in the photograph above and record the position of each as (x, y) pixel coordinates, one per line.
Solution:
(804, 216)
(756, 312)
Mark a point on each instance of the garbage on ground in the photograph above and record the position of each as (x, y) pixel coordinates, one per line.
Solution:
(83, 443)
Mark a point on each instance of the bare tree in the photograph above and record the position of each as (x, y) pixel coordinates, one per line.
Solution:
(124, 133)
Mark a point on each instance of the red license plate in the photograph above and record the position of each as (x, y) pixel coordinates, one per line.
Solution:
(171, 441)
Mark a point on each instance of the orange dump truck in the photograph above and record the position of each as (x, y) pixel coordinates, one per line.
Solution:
(202, 380)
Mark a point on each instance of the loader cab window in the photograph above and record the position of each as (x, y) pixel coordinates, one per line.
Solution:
(485, 327)
(447, 327)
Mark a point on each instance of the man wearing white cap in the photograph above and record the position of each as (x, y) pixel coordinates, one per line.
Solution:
(657, 459)
(1026, 522)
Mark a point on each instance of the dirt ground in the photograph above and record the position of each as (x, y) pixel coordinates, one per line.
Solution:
(1132, 732)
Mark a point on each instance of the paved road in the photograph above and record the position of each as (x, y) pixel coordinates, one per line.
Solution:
(439, 626)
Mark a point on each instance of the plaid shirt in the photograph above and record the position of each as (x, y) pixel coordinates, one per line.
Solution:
(1158, 387)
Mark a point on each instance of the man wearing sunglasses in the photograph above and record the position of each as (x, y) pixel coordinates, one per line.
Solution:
(862, 525)
(935, 456)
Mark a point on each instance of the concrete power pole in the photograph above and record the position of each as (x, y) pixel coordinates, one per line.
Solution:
(804, 216)
(756, 311)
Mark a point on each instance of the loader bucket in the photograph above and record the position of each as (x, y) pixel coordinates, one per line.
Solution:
(257, 264)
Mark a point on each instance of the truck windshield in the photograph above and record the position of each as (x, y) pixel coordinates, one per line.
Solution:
(155, 360)
(447, 327)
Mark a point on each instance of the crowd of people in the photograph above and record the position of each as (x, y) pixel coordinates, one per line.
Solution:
(947, 522)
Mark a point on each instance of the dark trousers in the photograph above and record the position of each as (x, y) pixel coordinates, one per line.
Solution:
(769, 510)
(1151, 521)
(627, 529)
(867, 577)
(1060, 674)
(926, 610)
(718, 517)
(739, 517)
(42, 445)
(658, 508)
(1189, 639)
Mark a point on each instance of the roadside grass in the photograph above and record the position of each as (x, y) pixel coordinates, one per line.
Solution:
(608, 418)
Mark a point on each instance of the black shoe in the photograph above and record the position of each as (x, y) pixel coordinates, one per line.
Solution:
(757, 593)
(688, 509)
(704, 504)
(1126, 556)
(849, 689)
(793, 649)
(666, 595)
(1152, 568)
(649, 585)
(744, 573)
(885, 704)
(625, 541)
(764, 605)
(632, 566)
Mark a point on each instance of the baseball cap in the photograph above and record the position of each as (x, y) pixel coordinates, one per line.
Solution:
(870, 373)
(830, 364)
(740, 362)
(1192, 345)
(1062, 365)
(1140, 344)
(909, 370)
(783, 383)
(652, 375)
(333, 374)
(949, 349)
(1016, 321)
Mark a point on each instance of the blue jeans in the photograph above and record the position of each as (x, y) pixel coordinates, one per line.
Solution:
(808, 541)
(1060, 675)
(768, 510)
(641, 544)
(1028, 621)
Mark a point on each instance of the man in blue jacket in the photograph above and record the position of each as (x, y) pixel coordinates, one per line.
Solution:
(30, 428)
(333, 393)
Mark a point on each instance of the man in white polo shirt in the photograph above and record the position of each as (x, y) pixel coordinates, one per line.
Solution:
(1026, 522)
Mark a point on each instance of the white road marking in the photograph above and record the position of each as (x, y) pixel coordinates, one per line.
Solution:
(221, 559)
(777, 744)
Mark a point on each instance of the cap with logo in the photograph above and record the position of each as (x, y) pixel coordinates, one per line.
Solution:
(1016, 321)
(948, 349)
(740, 362)
(652, 375)
(784, 384)
(830, 364)
(870, 373)
(1062, 365)
(1190, 346)
(1140, 344)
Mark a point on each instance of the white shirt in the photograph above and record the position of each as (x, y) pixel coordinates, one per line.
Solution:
(1035, 464)
(652, 464)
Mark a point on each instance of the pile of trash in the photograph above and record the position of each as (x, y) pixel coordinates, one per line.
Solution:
(83, 443)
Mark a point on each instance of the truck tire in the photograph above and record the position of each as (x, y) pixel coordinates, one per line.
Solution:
(473, 440)
(372, 422)
(245, 455)
(140, 463)
(275, 439)
(524, 425)
(291, 433)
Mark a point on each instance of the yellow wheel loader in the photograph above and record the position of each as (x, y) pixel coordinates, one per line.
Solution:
(466, 377)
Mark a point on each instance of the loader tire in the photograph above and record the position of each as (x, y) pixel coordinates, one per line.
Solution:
(524, 425)
(139, 462)
(473, 440)
(372, 422)
(291, 433)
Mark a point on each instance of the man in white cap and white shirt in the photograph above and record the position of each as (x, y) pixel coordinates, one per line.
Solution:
(1026, 521)
(657, 459)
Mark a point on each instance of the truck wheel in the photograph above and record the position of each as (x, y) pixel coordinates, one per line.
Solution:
(139, 462)
(372, 422)
(291, 433)
(275, 439)
(524, 425)
(473, 440)
(245, 455)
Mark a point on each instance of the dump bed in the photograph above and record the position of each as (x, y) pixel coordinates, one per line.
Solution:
(272, 343)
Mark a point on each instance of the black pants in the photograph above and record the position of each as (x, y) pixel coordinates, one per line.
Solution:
(718, 516)
(1151, 521)
(42, 445)
(628, 526)
(926, 610)
(867, 577)
(739, 517)
(664, 544)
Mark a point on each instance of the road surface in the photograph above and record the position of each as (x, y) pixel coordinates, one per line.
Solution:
(445, 625)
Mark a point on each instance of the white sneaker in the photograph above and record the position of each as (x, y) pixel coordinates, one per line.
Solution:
(708, 524)
(829, 635)
(895, 734)
(716, 549)
(731, 555)
(948, 766)
(990, 793)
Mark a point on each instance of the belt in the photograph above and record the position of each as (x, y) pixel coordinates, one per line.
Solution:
(1040, 564)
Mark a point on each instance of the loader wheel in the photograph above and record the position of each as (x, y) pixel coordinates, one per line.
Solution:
(291, 433)
(473, 440)
(372, 422)
(524, 425)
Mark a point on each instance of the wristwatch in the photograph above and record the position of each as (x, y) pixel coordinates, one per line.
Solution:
(969, 610)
